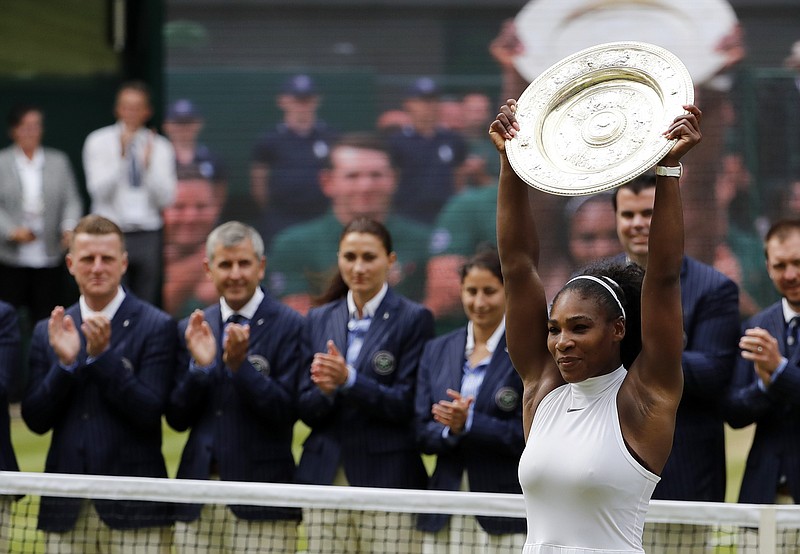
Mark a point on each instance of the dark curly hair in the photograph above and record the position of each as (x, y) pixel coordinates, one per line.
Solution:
(627, 285)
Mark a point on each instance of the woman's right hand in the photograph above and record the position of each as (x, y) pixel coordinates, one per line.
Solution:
(505, 126)
(453, 414)
(329, 369)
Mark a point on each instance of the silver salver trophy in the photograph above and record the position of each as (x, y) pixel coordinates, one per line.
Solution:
(596, 119)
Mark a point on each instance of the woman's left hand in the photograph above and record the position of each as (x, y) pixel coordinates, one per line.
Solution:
(505, 126)
(685, 128)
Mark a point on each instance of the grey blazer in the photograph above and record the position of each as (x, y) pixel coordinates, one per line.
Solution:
(62, 202)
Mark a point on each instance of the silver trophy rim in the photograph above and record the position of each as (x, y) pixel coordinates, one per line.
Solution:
(595, 119)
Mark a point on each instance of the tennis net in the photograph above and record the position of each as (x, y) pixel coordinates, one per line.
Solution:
(302, 518)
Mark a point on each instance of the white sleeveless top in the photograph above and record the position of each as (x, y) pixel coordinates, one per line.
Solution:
(584, 491)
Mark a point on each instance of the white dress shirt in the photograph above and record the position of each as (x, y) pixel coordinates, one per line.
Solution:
(34, 253)
(108, 179)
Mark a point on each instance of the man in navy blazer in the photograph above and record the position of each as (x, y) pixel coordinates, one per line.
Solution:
(695, 470)
(100, 372)
(766, 384)
(235, 387)
(9, 358)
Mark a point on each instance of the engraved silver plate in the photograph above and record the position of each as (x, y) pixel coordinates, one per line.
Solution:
(594, 120)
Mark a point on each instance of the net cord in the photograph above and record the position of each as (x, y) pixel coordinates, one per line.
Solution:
(769, 518)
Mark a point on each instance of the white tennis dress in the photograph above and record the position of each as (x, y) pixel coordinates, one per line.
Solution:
(584, 492)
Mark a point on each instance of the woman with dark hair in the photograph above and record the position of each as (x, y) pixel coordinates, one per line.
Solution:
(599, 402)
(362, 348)
(39, 206)
(469, 413)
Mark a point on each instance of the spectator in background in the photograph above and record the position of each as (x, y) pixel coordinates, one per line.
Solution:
(360, 353)
(100, 373)
(766, 384)
(778, 139)
(39, 206)
(740, 256)
(450, 116)
(482, 165)
(183, 125)
(235, 389)
(466, 223)
(130, 176)
(591, 235)
(428, 156)
(592, 229)
(360, 182)
(187, 223)
(791, 201)
(695, 470)
(9, 361)
(287, 160)
(504, 48)
(392, 121)
(469, 414)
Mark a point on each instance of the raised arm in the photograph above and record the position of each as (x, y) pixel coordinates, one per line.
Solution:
(518, 247)
(650, 396)
(662, 338)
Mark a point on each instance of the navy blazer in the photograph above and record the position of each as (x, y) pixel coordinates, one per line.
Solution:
(241, 421)
(369, 428)
(9, 363)
(106, 415)
(776, 412)
(695, 469)
(489, 452)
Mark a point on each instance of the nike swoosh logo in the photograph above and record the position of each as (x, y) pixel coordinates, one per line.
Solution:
(574, 409)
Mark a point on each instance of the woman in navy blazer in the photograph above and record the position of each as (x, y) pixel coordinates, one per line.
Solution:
(469, 413)
(362, 349)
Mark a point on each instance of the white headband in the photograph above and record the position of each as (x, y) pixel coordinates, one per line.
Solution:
(607, 287)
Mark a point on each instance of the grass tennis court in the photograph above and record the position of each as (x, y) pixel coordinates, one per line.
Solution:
(31, 449)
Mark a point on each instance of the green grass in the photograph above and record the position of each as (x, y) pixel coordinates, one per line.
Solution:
(737, 445)
(31, 450)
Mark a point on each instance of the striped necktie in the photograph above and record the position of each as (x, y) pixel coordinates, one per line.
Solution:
(134, 168)
(792, 336)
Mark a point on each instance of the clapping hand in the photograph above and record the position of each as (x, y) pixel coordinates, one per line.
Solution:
(200, 340)
(453, 414)
(329, 369)
(64, 338)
